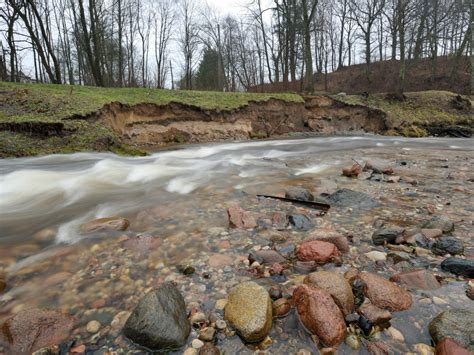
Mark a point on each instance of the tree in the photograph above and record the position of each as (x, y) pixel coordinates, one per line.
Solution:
(208, 76)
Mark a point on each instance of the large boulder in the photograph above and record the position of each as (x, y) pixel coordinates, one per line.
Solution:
(249, 311)
(336, 285)
(421, 279)
(319, 314)
(318, 251)
(33, 329)
(159, 321)
(384, 293)
(460, 267)
(457, 324)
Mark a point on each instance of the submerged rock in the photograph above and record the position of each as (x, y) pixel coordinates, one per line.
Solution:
(421, 279)
(354, 199)
(300, 222)
(384, 293)
(457, 324)
(319, 314)
(458, 266)
(33, 329)
(448, 346)
(238, 218)
(159, 321)
(447, 245)
(249, 311)
(318, 251)
(375, 314)
(105, 224)
(336, 285)
(330, 236)
(387, 235)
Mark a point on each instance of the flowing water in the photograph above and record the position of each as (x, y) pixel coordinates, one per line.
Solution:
(179, 199)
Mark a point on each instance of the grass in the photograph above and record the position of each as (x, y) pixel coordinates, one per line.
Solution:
(23, 104)
(420, 110)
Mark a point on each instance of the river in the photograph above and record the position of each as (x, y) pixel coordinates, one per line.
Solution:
(179, 199)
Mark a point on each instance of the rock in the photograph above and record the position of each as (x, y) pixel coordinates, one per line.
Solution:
(3, 283)
(448, 346)
(198, 317)
(327, 235)
(197, 344)
(460, 267)
(159, 321)
(376, 255)
(209, 349)
(319, 314)
(279, 220)
(142, 243)
(457, 324)
(424, 349)
(374, 314)
(249, 311)
(393, 179)
(207, 334)
(268, 257)
(365, 325)
(93, 326)
(353, 342)
(422, 241)
(440, 222)
(336, 285)
(300, 222)
(395, 334)
(238, 218)
(387, 235)
(432, 233)
(305, 267)
(276, 269)
(447, 245)
(33, 329)
(221, 324)
(470, 290)
(190, 351)
(281, 307)
(353, 171)
(105, 224)
(318, 251)
(299, 193)
(220, 304)
(384, 293)
(378, 167)
(376, 348)
(421, 279)
(218, 261)
(354, 199)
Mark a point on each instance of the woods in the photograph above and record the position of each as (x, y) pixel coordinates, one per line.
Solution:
(133, 43)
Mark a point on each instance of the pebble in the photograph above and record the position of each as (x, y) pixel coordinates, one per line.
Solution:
(198, 317)
(220, 304)
(221, 324)
(395, 334)
(439, 301)
(197, 344)
(190, 351)
(207, 334)
(376, 255)
(93, 326)
(353, 342)
(423, 349)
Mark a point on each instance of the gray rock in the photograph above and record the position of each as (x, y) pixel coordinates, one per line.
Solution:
(350, 198)
(299, 193)
(457, 324)
(159, 321)
(447, 245)
(460, 267)
(440, 222)
(300, 222)
(386, 234)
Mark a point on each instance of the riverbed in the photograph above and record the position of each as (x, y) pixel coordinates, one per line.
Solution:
(176, 203)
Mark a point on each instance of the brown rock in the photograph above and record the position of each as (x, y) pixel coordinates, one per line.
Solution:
(448, 346)
(219, 261)
(432, 233)
(276, 269)
(351, 274)
(378, 167)
(319, 314)
(57, 278)
(238, 218)
(336, 285)
(422, 279)
(270, 257)
(142, 243)
(280, 220)
(374, 313)
(330, 236)
(281, 307)
(384, 293)
(318, 251)
(376, 348)
(105, 224)
(33, 329)
(353, 171)
(209, 349)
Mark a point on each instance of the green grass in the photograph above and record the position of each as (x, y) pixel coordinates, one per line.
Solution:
(23, 104)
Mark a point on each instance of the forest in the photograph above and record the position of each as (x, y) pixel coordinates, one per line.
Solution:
(187, 44)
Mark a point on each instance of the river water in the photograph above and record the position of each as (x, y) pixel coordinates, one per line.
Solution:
(179, 198)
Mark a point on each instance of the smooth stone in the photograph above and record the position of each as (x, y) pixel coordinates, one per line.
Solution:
(353, 342)
(209, 349)
(432, 233)
(440, 222)
(221, 324)
(448, 346)
(318, 251)
(374, 314)
(457, 324)
(281, 307)
(93, 326)
(395, 334)
(269, 257)
(198, 317)
(207, 334)
(300, 222)
(299, 193)
(105, 224)
(421, 279)
(197, 344)
(336, 285)
(238, 218)
(354, 199)
(447, 245)
(34, 329)
(424, 349)
(376, 255)
(330, 236)
(458, 266)
(319, 314)
(384, 293)
(159, 321)
(249, 311)
(387, 235)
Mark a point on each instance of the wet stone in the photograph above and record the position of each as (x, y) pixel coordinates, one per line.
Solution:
(447, 245)
(299, 193)
(458, 266)
(317, 251)
(105, 224)
(365, 325)
(457, 324)
(354, 199)
(448, 346)
(300, 222)
(421, 279)
(374, 314)
(440, 222)
(387, 235)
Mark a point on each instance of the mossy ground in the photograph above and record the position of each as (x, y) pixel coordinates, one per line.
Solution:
(27, 103)
(420, 110)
